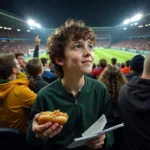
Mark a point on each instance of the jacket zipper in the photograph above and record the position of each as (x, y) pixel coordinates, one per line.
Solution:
(76, 101)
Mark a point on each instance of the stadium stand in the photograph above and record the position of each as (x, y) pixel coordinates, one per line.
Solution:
(135, 37)
(137, 44)
(16, 35)
(103, 36)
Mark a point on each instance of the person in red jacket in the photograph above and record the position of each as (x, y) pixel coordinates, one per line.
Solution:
(97, 72)
(126, 69)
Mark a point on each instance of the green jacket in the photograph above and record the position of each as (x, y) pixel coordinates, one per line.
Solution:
(92, 101)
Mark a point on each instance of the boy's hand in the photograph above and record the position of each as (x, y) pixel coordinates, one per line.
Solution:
(97, 143)
(48, 130)
(37, 40)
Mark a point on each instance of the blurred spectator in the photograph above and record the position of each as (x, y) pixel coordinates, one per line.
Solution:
(98, 71)
(122, 65)
(134, 103)
(35, 69)
(136, 67)
(16, 98)
(47, 72)
(114, 61)
(21, 61)
(126, 69)
(114, 80)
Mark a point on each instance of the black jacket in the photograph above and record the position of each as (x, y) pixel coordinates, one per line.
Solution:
(129, 76)
(36, 52)
(40, 83)
(134, 103)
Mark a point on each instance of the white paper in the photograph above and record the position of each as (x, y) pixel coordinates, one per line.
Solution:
(82, 140)
(98, 126)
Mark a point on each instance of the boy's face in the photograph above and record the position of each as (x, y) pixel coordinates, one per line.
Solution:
(21, 60)
(79, 57)
(16, 70)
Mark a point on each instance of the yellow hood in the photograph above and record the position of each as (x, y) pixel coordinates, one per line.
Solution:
(5, 88)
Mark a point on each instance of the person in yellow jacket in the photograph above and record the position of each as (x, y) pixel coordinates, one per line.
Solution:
(16, 98)
(21, 75)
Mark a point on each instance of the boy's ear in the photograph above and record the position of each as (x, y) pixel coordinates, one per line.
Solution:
(14, 70)
(59, 61)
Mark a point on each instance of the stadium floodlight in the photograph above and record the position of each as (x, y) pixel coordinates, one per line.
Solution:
(127, 21)
(31, 22)
(9, 28)
(18, 30)
(141, 26)
(28, 30)
(1, 27)
(146, 25)
(124, 28)
(5, 28)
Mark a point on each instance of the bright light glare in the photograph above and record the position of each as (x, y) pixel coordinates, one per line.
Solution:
(136, 17)
(32, 23)
(133, 19)
(124, 28)
(126, 21)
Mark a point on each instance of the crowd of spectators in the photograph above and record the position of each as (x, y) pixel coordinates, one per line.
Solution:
(138, 44)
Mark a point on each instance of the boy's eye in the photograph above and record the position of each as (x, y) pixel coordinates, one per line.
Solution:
(91, 46)
(77, 46)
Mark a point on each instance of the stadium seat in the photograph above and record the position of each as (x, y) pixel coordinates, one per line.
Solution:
(12, 138)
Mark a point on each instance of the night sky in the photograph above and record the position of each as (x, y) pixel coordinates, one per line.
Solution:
(96, 13)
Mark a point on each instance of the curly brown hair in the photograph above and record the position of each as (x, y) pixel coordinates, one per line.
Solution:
(72, 30)
(113, 79)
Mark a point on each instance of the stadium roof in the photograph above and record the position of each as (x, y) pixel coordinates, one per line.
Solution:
(9, 20)
(12, 21)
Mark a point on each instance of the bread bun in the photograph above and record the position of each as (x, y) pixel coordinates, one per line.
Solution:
(53, 117)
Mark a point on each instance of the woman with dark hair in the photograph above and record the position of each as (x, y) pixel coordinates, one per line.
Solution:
(35, 69)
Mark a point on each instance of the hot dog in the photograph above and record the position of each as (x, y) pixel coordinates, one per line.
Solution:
(53, 117)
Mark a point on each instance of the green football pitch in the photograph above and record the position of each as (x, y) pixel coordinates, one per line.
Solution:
(121, 56)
